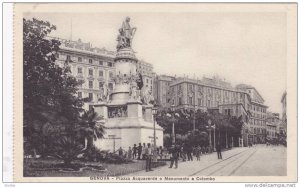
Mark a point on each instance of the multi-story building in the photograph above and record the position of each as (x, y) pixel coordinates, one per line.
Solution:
(93, 66)
(146, 70)
(272, 125)
(283, 126)
(217, 94)
(161, 89)
(258, 116)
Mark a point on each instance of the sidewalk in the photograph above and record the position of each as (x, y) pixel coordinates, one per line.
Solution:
(189, 167)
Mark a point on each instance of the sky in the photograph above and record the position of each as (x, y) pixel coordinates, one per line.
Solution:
(240, 47)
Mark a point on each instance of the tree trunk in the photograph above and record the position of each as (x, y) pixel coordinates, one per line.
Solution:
(226, 139)
(89, 142)
(67, 162)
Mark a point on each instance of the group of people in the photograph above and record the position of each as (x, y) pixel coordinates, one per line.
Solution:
(185, 151)
(143, 152)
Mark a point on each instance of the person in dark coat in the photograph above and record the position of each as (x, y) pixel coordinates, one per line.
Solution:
(148, 157)
(140, 149)
(219, 150)
(134, 151)
(174, 156)
(189, 152)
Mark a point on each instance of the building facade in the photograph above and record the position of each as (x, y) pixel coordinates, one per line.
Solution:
(94, 67)
(217, 94)
(146, 70)
(283, 125)
(161, 89)
(273, 125)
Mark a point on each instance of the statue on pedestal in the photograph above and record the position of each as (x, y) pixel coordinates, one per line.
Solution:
(126, 34)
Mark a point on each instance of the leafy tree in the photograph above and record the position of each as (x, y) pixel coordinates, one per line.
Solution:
(48, 88)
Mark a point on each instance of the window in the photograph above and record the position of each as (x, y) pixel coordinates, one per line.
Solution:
(111, 74)
(90, 61)
(109, 64)
(100, 85)
(110, 86)
(90, 96)
(79, 70)
(191, 87)
(179, 88)
(68, 58)
(179, 101)
(79, 59)
(208, 103)
(80, 94)
(80, 83)
(100, 73)
(151, 82)
(190, 100)
(101, 63)
(199, 102)
(90, 72)
(91, 84)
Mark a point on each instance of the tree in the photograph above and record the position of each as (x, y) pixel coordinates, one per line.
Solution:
(67, 148)
(91, 127)
(48, 88)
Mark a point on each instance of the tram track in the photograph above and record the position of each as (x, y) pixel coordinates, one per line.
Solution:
(224, 163)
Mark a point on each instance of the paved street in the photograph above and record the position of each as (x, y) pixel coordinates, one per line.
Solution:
(259, 160)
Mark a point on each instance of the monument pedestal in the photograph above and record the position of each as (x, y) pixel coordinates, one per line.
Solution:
(132, 129)
(127, 120)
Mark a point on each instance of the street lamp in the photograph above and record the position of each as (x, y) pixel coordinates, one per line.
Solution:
(154, 112)
(173, 123)
(214, 127)
(209, 127)
(194, 120)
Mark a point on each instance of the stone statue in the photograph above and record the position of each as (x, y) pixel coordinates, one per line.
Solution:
(101, 95)
(126, 33)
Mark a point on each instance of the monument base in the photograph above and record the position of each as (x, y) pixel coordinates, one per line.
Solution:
(125, 132)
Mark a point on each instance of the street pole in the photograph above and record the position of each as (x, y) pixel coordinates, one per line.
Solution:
(210, 145)
(194, 122)
(173, 125)
(215, 139)
(154, 111)
(173, 132)
(154, 133)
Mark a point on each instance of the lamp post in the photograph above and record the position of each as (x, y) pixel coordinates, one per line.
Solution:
(209, 130)
(173, 124)
(194, 118)
(154, 112)
(214, 127)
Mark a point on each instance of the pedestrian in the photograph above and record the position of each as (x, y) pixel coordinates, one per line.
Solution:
(203, 150)
(143, 151)
(120, 150)
(219, 150)
(129, 153)
(189, 153)
(148, 157)
(134, 151)
(174, 156)
(198, 152)
(140, 149)
(183, 152)
(160, 152)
